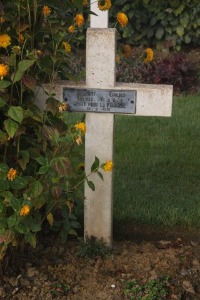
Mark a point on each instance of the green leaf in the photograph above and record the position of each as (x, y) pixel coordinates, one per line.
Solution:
(16, 113)
(91, 185)
(31, 239)
(78, 4)
(4, 185)
(24, 159)
(184, 21)
(39, 201)
(3, 170)
(4, 84)
(35, 189)
(14, 203)
(95, 164)
(12, 221)
(43, 170)
(11, 127)
(187, 39)
(23, 66)
(6, 194)
(42, 161)
(35, 227)
(159, 33)
(179, 10)
(27, 113)
(100, 174)
(180, 30)
(2, 208)
(22, 228)
(3, 137)
(2, 102)
(72, 231)
(18, 183)
(153, 21)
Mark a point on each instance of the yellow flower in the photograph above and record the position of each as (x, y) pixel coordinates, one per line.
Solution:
(62, 107)
(79, 19)
(5, 40)
(71, 29)
(108, 166)
(4, 69)
(12, 173)
(84, 2)
(122, 19)
(127, 51)
(78, 140)
(46, 11)
(81, 126)
(149, 55)
(25, 210)
(104, 4)
(67, 47)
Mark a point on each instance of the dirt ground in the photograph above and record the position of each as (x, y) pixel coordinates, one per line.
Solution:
(55, 271)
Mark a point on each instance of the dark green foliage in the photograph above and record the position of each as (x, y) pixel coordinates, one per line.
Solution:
(163, 24)
(154, 289)
(93, 248)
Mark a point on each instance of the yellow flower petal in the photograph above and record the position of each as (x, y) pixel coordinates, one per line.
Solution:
(104, 4)
(12, 173)
(46, 11)
(149, 55)
(25, 210)
(67, 47)
(107, 167)
(71, 29)
(122, 19)
(5, 40)
(81, 126)
(79, 19)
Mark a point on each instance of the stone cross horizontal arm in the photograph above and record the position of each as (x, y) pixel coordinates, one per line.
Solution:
(152, 100)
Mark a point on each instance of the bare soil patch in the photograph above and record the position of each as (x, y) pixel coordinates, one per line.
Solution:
(54, 271)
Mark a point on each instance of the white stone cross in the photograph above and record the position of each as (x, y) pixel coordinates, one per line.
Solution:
(151, 100)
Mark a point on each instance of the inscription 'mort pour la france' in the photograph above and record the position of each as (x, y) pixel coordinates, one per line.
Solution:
(95, 100)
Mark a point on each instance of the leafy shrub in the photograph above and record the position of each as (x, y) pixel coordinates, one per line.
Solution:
(175, 70)
(161, 24)
(40, 157)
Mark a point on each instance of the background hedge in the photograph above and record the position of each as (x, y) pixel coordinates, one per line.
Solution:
(160, 24)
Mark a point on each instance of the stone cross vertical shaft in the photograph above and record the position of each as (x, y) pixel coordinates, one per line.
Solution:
(100, 73)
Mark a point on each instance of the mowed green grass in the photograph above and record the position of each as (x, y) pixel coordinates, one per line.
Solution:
(157, 167)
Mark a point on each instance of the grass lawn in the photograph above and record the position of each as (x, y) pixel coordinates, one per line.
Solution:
(157, 167)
